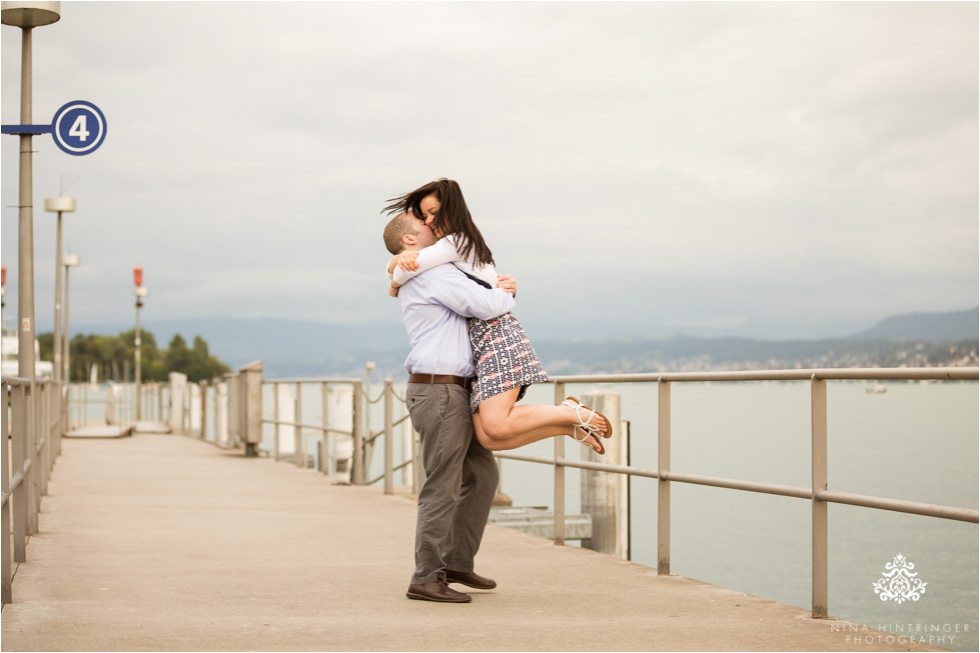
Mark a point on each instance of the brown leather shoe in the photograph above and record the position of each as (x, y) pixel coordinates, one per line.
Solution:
(437, 590)
(470, 579)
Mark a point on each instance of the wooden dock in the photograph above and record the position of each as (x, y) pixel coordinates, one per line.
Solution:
(163, 542)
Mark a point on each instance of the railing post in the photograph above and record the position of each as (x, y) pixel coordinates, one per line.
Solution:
(5, 593)
(178, 383)
(298, 433)
(66, 408)
(216, 403)
(37, 455)
(33, 482)
(418, 471)
(389, 437)
(21, 495)
(559, 475)
(204, 409)
(605, 496)
(325, 452)
(357, 459)
(275, 417)
(44, 444)
(663, 482)
(818, 529)
(408, 471)
(252, 393)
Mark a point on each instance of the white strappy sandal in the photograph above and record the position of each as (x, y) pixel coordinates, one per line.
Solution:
(586, 426)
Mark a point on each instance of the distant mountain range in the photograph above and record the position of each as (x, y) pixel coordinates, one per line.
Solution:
(292, 348)
(926, 327)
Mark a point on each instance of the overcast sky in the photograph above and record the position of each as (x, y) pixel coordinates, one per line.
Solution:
(769, 169)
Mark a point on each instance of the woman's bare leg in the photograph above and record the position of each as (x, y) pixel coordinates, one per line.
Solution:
(501, 425)
(506, 444)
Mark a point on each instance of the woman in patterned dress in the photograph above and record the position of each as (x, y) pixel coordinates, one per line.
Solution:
(505, 360)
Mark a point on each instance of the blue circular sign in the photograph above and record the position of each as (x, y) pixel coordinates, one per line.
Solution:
(78, 128)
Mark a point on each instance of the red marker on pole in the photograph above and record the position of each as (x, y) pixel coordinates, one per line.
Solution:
(138, 276)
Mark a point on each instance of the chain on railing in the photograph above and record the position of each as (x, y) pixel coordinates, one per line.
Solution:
(363, 442)
(390, 395)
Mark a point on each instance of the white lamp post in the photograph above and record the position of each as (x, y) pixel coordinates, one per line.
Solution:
(58, 205)
(26, 16)
(140, 293)
(69, 261)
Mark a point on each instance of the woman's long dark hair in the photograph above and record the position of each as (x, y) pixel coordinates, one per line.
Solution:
(452, 218)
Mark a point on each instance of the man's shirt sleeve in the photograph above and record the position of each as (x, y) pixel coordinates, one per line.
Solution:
(448, 286)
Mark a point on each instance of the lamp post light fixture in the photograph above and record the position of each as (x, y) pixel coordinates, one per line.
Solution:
(69, 261)
(140, 293)
(58, 205)
(26, 16)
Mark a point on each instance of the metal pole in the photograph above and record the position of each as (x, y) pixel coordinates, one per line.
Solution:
(25, 248)
(203, 385)
(57, 309)
(44, 441)
(298, 433)
(67, 344)
(325, 451)
(818, 530)
(275, 417)
(31, 475)
(357, 462)
(18, 454)
(5, 566)
(367, 397)
(559, 475)
(663, 484)
(139, 357)
(389, 437)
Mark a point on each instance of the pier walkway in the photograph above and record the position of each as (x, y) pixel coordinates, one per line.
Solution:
(163, 542)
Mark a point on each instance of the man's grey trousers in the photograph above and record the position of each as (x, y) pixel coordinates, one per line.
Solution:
(461, 481)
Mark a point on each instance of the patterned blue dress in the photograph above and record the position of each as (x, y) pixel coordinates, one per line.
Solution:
(504, 358)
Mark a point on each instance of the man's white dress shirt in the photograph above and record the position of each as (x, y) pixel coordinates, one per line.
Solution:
(435, 307)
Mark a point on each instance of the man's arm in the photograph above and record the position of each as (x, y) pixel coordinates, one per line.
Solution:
(448, 286)
(443, 251)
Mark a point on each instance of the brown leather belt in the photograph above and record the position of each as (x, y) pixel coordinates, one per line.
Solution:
(441, 378)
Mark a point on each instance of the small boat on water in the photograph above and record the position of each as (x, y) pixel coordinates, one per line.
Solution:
(11, 364)
(875, 389)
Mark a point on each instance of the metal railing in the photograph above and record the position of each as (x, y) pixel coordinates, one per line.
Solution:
(389, 395)
(817, 493)
(117, 402)
(301, 430)
(364, 440)
(32, 419)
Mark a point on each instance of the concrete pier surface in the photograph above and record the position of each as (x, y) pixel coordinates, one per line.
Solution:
(101, 431)
(164, 543)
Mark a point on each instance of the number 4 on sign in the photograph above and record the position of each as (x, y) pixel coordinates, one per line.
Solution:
(80, 128)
